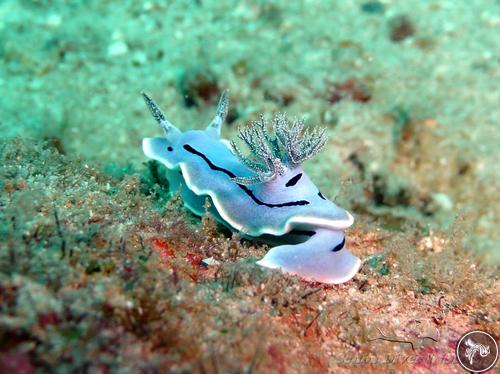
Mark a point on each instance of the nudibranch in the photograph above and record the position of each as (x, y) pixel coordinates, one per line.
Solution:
(266, 195)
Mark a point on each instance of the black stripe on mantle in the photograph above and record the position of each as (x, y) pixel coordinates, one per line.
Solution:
(339, 246)
(248, 191)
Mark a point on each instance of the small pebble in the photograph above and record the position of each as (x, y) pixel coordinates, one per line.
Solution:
(118, 48)
(210, 261)
(139, 58)
(53, 21)
(443, 201)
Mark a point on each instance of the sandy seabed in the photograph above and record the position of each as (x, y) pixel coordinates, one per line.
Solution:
(100, 268)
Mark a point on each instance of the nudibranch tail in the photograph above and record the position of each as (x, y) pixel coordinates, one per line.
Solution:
(323, 258)
(220, 115)
(170, 130)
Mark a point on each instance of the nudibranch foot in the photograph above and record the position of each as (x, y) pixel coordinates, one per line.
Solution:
(323, 258)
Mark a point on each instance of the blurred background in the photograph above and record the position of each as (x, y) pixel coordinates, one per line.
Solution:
(409, 90)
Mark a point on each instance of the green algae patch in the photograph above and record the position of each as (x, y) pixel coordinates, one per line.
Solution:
(374, 261)
(377, 262)
(424, 286)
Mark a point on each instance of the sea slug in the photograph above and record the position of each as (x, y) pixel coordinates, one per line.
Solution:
(265, 195)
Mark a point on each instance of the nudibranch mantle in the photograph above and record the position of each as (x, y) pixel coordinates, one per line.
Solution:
(267, 196)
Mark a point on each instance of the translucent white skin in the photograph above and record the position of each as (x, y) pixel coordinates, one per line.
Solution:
(314, 258)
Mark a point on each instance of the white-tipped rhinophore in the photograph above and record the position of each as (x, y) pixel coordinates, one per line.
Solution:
(170, 130)
(220, 115)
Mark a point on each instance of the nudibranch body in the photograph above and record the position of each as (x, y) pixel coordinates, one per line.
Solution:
(266, 196)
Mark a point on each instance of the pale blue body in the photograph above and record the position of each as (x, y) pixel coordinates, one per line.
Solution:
(201, 166)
